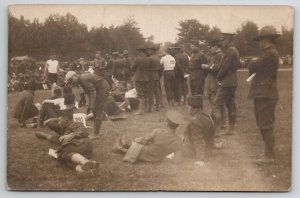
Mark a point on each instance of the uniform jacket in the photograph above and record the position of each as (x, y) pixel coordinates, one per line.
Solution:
(182, 62)
(229, 65)
(99, 65)
(109, 68)
(265, 67)
(154, 67)
(23, 106)
(90, 82)
(120, 69)
(140, 68)
(195, 69)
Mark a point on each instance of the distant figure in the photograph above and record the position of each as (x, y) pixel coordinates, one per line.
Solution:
(99, 64)
(264, 92)
(51, 69)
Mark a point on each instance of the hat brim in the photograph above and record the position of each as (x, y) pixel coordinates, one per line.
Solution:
(266, 37)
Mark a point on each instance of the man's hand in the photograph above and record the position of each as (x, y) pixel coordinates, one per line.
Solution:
(49, 120)
(66, 138)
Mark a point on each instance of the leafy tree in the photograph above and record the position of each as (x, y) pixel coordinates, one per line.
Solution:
(192, 29)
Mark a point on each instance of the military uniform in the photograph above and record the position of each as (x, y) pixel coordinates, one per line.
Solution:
(154, 85)
(182, 62)
(264, 91)
(196, 73)
(99, 64)
(228, 83)
(109, 72)
(141, 76)
(24, 108)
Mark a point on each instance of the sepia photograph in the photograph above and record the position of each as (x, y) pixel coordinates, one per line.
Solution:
(149, 97)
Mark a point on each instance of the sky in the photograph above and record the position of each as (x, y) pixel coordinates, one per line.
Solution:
(162, 21)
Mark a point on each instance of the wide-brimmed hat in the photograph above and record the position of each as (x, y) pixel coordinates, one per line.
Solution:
(69, 75)
(268, 36)
(175, 116)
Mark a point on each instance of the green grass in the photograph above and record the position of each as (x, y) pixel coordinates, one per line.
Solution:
(30, 168)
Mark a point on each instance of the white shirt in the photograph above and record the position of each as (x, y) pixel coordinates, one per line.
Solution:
(52, 66)
(168, 62)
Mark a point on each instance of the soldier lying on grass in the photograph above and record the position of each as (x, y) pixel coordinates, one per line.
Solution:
(74, 146)
(155, 146)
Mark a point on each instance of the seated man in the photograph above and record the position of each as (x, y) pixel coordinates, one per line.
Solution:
(157, 145)
(201, 127)
(74, 146)
(25, 108)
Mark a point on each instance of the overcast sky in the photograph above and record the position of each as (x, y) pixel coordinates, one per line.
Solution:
(162, 21)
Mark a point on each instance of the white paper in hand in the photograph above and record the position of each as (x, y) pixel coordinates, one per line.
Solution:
(170, 156)
(52, 153)
(250, 78)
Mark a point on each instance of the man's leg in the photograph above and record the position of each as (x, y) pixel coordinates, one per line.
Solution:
(167, 83)
(218, 104)
(231, 107)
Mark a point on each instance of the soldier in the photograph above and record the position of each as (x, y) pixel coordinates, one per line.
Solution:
(196, 73)
(264, 91)
(119, 72)
(168, 62)
(141, 77)
(154, 69)
(97, 90)
(182, 62)
(25, 108)
(126, 66)
(227, 80)
(212, 69)
(109, 70)
(201, 127)
(99, 64)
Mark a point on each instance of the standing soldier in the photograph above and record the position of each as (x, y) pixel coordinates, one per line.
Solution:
(212, 69)
(109, 70)
(141, 77)
(196, 73)
(118, 68)
(99, 64)
(168, 62)
(97, 90)
(227, 80)
(154, 69)
(182, 62)
(126, 71)
(264, 91)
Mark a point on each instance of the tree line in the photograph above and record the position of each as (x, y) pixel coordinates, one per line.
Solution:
(70, 39)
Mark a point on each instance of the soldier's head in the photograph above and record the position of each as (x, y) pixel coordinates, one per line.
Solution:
(266, 37)
(31, 85)
(142, 51)
(227, 39)
(57, 92)
(174, 119)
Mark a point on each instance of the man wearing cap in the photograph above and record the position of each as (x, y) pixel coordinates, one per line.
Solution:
(25, 108)
(196, 73)
(155, 146)
(227, 80)
(99, 64)
(126, 70)
(168, 62)
(97, 91)
(212, 70)
(264, 91)
(201, 126)
(155, 69)
(140, 68)
(109, 70)
(182, 62)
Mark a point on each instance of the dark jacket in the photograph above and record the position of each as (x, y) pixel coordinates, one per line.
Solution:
(216, 60)
(140, 68)
(182, 62)
(154, 67)
(24, 106)
(265, 67)
(90, 82)
(229, 65)
(109, 68)
(195, 69)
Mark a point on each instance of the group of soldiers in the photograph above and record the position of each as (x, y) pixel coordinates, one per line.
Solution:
(184, 80)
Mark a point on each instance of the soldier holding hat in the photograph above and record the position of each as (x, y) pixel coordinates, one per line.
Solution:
(97, 90)
(227, 80)
(155, 146)
(264, 91)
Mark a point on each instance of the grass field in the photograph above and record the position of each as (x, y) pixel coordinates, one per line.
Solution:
(231, 169)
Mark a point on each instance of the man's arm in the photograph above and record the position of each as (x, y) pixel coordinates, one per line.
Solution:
(263, 61)
(226, 63)
(46, 69)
